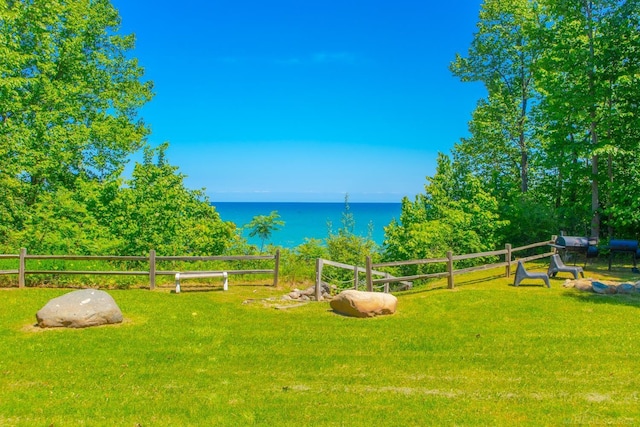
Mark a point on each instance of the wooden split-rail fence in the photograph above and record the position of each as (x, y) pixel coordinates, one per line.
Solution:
(151, 260)
(375, 277)
(372, 271)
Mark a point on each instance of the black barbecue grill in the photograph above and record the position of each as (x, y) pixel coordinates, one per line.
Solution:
(588, 247)
(624, 246)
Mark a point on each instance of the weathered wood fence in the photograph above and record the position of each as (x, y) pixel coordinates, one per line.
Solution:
(320, 264)
(152, 260)
(449, 261)
(370, 269)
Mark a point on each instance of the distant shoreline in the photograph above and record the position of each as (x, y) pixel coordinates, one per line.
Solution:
(312, 220)
(311, 202)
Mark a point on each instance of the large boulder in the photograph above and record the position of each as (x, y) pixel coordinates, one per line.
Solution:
(364, 304)
(79, 309)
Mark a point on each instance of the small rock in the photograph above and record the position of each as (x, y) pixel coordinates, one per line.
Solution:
(583, 285)
(626, 288)
(580, 284)
(311, 290)
(601, 288)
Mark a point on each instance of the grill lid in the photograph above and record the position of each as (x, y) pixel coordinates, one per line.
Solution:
(572, 241)
(623, 245)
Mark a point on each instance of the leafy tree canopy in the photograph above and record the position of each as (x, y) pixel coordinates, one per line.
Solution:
(556, 139)
(70, 92)
(455, 213)
(263, 226)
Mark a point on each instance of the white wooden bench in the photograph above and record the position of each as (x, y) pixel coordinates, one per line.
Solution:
(203, 274)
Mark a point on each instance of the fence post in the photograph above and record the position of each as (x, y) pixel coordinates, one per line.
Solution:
(450, 268)
(318, 277)
(152, 269)
(507, 268)
(276, 269)
(21, 267)
(355, 277)
(369, 276)
(386, 284)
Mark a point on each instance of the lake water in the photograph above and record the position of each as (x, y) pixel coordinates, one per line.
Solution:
(310, 220)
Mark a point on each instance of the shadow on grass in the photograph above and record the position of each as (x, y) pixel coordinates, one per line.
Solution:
(184, 290)
(476, 280)
(597, 270)
(530, 285)
(613, 299)
(616, 274)
(421, 289)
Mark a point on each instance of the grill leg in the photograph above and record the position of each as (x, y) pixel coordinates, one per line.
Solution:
(610, 255)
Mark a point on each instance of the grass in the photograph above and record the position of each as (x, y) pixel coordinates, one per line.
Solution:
(485, 353)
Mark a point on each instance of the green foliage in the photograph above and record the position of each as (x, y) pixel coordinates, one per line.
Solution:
(69, 94)
(503, 56)
(263, 225)
(590, 110)
(311, 250)
(299, 264)
(624, 214)
(557, 137)
(455, 214)
(530, 220)
(64, 222)
(155, 211)
(348, 248)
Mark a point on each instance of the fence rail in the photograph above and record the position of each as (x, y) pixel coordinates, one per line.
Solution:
(152, 261)
(320, 263)
(450, 260)
(370, 269)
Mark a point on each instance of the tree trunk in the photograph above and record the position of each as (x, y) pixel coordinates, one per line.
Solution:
(524, 165)
(595, 200)
(595, 197)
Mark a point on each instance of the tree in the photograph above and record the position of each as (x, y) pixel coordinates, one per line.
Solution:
(263, 225)
(454, 213)
(69, 95)
(503, 56)
(65, 222)
(69, 92)
(154, 210)
(560, 123)
(587, 75)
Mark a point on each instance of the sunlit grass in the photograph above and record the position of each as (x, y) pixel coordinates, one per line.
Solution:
(484, 353)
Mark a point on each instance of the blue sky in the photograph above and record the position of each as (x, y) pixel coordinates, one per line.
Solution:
(290, 100)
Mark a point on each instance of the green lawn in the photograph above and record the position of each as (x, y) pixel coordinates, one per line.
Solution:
(485, 353)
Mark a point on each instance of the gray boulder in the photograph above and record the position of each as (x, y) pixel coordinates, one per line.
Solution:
(626, 288)
(603, 288)
(79, 309)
